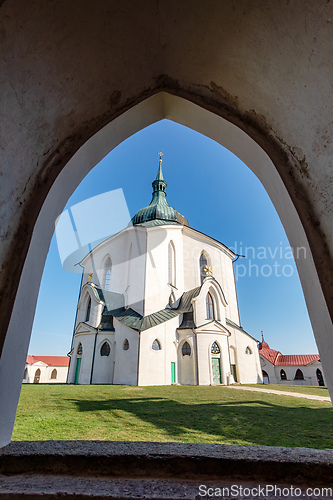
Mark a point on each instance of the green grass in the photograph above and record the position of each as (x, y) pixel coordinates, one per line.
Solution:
(172, 413)
(302, 389)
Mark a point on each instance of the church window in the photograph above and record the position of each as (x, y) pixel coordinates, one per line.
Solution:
(79, 350)
(209, 306)
(172, 264)
(186, 349)
(283, 375)
(126, 345)
(299, 375)
(88, 309)
(105, 349)
(203, 264)
(248, 350)
(215, 349)
(107, 274)
(156, 346)
(54, 374)
(25, 376)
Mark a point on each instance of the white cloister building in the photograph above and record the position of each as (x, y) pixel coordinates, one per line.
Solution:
(45, 369)
(290, 369)
(158, 306)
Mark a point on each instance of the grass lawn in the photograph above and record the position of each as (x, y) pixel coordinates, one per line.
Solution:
(171, 413)
(302, 389)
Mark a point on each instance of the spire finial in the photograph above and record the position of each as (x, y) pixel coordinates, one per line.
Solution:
(262, 335)
(159, 176)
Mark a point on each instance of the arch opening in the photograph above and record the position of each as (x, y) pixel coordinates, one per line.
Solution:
(162, 105)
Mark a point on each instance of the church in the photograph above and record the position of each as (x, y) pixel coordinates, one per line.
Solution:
(158, 306)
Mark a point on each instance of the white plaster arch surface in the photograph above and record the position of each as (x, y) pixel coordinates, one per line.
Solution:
(157, 107)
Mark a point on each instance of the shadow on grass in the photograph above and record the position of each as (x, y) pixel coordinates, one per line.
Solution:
(252, 421)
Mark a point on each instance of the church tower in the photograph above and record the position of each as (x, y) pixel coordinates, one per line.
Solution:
(158, 306)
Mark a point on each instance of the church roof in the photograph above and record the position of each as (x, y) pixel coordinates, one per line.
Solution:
(158, 212)
(114, 306)
(278, 359)
(48, 360)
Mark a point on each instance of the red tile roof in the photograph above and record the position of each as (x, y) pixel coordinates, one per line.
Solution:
(297, 359)
(278, 359)
(31, 360)
(270, 354)
(49, 360)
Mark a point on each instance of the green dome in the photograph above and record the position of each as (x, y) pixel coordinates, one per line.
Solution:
(159, 210)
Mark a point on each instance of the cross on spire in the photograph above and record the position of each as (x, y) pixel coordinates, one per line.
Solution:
(161, 154)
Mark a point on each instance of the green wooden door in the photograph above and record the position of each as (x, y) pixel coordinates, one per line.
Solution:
(77, 370)
(234, 372)
(173, 373)
(216, 370)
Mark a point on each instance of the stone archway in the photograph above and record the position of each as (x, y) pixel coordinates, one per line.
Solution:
(239, 76)
(159, 106)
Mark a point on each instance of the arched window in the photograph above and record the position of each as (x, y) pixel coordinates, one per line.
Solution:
(203, 263)
(105, 349)
(88, 310)
(54, 374)
(209, 307)
(248, 350)
(79, 349)
(186, 349)
(299, 375)
(320, 378)
(126, 345)
(156, 346)
(172, 264)
(25, 376)
(107, 274)
(215, 349)
(283, 375)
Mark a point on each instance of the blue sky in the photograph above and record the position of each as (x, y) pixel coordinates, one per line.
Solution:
(220, 197)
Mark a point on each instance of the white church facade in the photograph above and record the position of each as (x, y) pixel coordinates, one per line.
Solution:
(158, 306)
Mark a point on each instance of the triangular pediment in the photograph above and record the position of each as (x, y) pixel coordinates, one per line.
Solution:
(213, 327)
(84, 328)
(39, 363)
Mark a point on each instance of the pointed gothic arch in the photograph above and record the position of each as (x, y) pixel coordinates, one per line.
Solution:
(171, 263)
(210, 306)
(88, 308)
(37, 376)
(204, 263)
(238, 135)
(105, 349)
(107, 267)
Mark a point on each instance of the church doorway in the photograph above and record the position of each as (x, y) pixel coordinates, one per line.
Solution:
(37, 377)
(233, 364)
(78, 364)
(173, 372)
(216, 363)
(265, 377)
(77, 370)
(320, 377)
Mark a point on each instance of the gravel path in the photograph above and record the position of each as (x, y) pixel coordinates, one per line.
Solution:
(281, 393)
